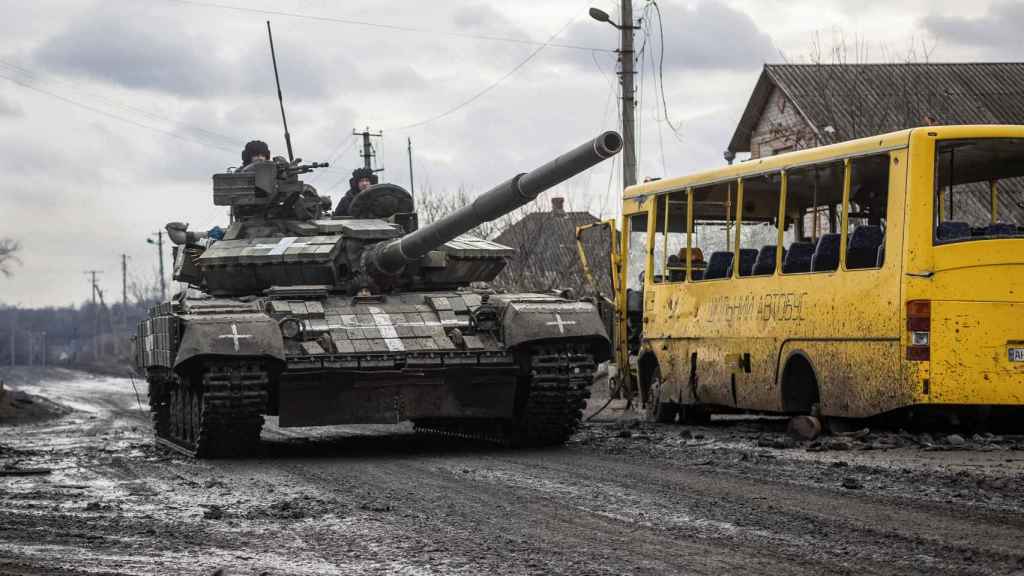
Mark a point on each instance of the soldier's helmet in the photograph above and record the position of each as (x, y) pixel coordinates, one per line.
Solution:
(252, 148)
(360, 173)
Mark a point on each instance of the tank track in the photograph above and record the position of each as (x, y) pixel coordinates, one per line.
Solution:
(550, 408)
(217, 413)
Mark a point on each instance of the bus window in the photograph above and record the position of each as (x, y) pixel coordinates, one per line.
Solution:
(637, 257)
(759, 219)
(670, 237)
(714, 230)
(814, 197)
(979, 190)
(869, 198)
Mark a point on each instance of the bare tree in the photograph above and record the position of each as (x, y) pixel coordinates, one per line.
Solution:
(897, 101)
(8, 255)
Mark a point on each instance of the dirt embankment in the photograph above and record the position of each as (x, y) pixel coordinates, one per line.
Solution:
(20, 407)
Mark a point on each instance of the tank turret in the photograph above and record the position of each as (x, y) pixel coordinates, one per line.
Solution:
(279, 237)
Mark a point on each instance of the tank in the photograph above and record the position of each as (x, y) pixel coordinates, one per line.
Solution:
(363, 319)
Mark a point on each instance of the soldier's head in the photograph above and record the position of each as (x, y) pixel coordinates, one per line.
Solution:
(255, 150)
(362, 179)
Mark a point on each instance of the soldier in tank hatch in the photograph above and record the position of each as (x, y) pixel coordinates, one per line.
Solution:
(255, 150)
(362, 178)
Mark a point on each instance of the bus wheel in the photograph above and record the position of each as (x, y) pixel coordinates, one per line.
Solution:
(655, 409)
(694, 414)
(799, 386)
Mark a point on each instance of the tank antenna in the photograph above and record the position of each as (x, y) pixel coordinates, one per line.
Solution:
(280, 99)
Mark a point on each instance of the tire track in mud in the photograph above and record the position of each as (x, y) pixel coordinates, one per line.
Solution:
(521, 529)
(873, 532)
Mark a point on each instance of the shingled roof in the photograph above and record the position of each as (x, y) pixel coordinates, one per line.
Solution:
(845, 101)
(546, 257)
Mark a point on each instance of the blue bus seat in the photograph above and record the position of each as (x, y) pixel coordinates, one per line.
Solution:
(1001, 229)
(952, 230)
(765, 262)
(826, 253)
(718, 265)
(747, 258)
(797, 258)
(864, 243)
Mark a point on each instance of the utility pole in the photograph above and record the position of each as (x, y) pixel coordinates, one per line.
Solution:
(160, 248)
(412, 183)
(124, 291)
(628, 101)
(368, 153)
(14, 331)
(95, 314)
(627, 29)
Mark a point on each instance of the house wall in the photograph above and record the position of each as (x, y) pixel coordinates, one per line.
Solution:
(780, 128)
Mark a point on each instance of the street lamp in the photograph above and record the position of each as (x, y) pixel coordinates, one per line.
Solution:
(601, 16)
(626, 78)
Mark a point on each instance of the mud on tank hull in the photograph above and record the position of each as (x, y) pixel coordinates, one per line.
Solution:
(511, 368)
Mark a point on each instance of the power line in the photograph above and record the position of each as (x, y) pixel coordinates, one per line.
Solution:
(493, 85)
(661, 71)
(397, 27)
(351, 141)
(37, 77)
(108, 114)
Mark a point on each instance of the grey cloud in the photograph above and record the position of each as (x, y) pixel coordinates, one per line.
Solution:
(9, 107)
(997, 32)
(708, 36)
(136, 50)
(400, 78)
(483, 19)
(128, 48)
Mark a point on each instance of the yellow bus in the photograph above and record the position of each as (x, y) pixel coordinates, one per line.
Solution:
(878, 276)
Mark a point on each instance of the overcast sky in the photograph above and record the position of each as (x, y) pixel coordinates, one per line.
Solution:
(114, 113)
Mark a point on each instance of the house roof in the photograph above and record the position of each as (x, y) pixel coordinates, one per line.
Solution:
(858, 100)
(546, 257)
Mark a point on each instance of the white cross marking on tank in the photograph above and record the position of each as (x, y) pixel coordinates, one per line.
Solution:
(561, 323)
(235, 336)
(282, 245)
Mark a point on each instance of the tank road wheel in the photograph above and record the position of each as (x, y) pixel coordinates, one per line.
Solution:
(218, 412)
(654, 409)
(555, 392)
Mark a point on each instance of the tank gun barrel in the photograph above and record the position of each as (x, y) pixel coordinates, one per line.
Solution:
(392, 257)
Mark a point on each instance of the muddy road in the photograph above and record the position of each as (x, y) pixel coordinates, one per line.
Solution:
(622, 498)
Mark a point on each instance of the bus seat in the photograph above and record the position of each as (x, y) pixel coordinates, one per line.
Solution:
(718, 265)
(864, 243)
(765, 262)
(880, 258)
(797, 258)
(676, 269)
(826, 253)
(952, 230)
(1001, 229)
(747, 258)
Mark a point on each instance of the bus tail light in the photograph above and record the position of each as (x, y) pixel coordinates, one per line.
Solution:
(919, 325)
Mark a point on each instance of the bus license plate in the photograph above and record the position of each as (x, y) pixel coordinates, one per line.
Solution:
(1016, 354)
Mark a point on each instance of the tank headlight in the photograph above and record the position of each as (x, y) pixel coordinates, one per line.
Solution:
(290, 327)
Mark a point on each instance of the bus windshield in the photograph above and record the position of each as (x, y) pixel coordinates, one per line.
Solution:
(979, 191)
